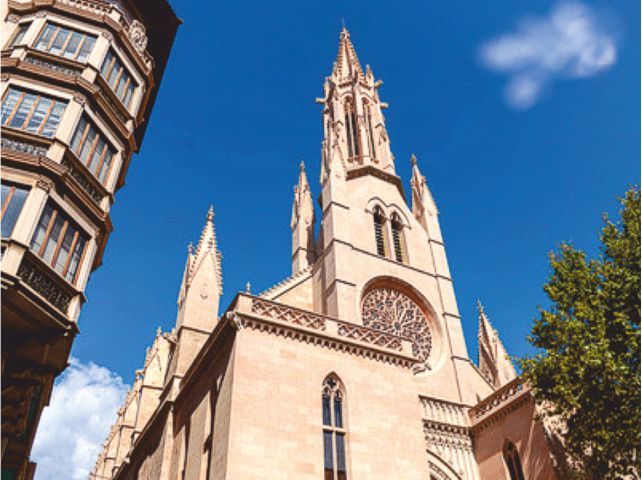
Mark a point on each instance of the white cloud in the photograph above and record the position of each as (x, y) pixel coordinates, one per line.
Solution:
(83, 406)
(571, 42)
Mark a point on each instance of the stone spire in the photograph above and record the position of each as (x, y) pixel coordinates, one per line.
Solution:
(347, 63)
(494, 362)
(424, 207)
(203, 277)
(354, 126)
(302, 224)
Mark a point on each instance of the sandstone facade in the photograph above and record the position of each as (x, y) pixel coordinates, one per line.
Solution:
(354, 367)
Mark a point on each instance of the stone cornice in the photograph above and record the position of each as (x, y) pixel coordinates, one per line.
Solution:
(499, 404)
(378, 173)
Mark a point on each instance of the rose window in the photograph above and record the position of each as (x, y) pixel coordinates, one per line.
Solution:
(390, 311)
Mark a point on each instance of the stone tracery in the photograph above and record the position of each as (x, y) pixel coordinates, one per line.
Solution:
(391, 311)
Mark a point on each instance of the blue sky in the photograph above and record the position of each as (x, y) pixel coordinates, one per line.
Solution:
(236, 115)
(525, 118)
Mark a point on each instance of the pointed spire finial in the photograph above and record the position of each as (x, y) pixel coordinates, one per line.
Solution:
(248, 287)
(302, 166)
(480, 307)
(413, 160)
(210, 213)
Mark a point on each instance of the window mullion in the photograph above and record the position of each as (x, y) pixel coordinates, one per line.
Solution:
(15, 109)
(53, 37)
(80, 44)
(71, 254)
(33, 109)
(7, 201)
(47, 232)
(44, 120)
(61, 238)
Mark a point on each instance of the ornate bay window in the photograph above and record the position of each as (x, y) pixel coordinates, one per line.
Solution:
(32, 112)
(92, 149)
(118, 78)
(334, 432)
(19, 34)
(59, 242)
(13, 199)
(65, 42)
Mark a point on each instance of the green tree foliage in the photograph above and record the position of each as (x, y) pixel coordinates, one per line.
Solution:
(588, 371)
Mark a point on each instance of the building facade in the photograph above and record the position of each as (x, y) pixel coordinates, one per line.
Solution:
(354, 367)
(79, 79)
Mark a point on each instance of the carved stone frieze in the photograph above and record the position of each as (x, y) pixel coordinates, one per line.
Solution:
(368, 335)
(53, 66)
(44, 285)
(391, 311)
(23, 147)
(13, 18)
(287, 314)
(81, 179)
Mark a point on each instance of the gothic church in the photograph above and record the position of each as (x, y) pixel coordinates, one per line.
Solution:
(354, 367)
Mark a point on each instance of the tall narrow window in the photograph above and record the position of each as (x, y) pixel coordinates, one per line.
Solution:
(13, 198)
(118, 78)
(352, 129)
(92, 149)
(368, 116)
(65, 42)
(334, 432)
(19, 34)
(379, 230)
(31, 112)
(513, 463)
(59, 242)
(397, 237)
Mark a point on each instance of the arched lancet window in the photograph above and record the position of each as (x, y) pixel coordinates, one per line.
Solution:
(513, 463)
(352, 129)
(334, 432)
(368, 116)
(397, 237)
(379, 229)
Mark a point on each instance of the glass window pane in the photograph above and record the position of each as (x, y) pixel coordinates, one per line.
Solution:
(45, 37)
(327, 450)
(326, 410)
(9, 103)
(121, 85)
(86, 48)
(17, 39)
(72, 46)
(106, 164)
(80, 130)
(23, 110)
(113, 75)
(128, 94)
(42, 229)
(86, 147)
(52, 241)
(95, 158)
(65, 247)
(38, 115)
(106, 63)
(54, 119)
(341, 453)
(13, 208)
(338, 414)
(59, 41)
(75, 259)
